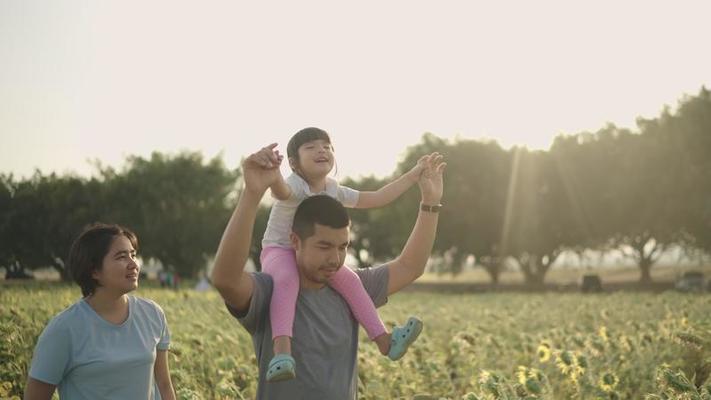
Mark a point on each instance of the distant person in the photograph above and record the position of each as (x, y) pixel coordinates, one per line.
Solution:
(325, 331)
(109, 344)
(311, 158)
(169, 279)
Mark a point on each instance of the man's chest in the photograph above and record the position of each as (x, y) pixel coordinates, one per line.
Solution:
(324, 321)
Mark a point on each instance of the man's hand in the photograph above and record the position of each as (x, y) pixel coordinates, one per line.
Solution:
(431, 184)
(412, 260)
(261, 169)
(414, 173)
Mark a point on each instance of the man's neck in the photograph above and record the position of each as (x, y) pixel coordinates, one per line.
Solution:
(306, 283)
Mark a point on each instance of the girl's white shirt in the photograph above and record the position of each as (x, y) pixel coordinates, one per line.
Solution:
(281, 216)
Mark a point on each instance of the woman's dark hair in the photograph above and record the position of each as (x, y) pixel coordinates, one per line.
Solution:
(89, 249)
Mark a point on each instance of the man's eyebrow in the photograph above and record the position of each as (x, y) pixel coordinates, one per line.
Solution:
(326, 242)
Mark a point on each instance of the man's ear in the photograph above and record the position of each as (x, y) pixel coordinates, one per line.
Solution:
(295, 240)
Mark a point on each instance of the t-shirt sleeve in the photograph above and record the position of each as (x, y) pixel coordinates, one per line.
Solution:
(51, 357)
(253, 319)
(375, 282)
(298, 194)
(347, 196)
(164, 341)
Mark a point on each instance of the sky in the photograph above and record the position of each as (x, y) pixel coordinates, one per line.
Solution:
(102, 80)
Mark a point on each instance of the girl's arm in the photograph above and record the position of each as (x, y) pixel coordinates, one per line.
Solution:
(280, 189)
(386, 194)
(162, 374)
(38, 390)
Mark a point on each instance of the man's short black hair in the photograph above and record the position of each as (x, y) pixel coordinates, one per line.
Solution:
(320, 209)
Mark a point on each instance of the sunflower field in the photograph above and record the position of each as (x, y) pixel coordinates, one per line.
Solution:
(473, 346)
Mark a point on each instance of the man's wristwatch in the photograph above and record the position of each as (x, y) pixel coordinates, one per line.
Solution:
(428, 208)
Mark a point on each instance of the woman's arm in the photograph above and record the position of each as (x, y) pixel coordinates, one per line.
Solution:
(38, 390)
(162, 374)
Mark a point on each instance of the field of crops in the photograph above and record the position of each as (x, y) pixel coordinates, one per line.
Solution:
(487, 346)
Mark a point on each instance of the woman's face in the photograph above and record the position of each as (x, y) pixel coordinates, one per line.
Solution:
(119, 269)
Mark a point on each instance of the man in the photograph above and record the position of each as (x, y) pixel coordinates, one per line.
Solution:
(325, 332)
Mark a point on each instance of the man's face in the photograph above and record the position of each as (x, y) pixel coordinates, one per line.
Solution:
(319, 256)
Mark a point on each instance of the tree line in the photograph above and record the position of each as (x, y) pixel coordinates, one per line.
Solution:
(178, 206)
(640, 192)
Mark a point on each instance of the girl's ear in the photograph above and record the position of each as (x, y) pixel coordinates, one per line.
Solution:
(293, 163)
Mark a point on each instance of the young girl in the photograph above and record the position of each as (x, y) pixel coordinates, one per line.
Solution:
(108, 345)
(311, 159)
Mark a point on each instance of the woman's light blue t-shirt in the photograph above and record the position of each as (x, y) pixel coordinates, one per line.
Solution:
(90, 358)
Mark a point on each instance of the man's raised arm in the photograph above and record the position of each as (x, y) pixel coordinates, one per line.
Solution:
(411, 262)
(260, 170)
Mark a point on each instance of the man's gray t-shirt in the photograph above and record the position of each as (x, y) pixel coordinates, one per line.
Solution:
(325, 341)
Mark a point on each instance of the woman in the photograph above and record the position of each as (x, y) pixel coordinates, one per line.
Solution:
(108, 345)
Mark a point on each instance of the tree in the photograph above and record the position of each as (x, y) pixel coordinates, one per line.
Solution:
(46, 213)
(6, 190)
(177, 205)
(472, 220)
(540, 220)
(685, 137)
(378, 233)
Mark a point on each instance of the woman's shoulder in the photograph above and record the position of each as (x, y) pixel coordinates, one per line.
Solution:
(148, 308)
(145, 303)
(67, 318)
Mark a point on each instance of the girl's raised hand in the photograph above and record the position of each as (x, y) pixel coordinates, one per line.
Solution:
(261, 169)
(420, 167)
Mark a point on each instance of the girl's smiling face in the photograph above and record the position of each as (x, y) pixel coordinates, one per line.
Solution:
(315, 159)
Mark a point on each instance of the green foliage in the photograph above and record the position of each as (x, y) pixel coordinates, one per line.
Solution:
(637, 192)
(45, 213)
(178, 206)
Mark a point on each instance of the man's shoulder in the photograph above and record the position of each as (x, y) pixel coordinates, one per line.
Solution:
(261, 295)
(261, 278)
(374, 270)
(263, 285)
(375, 282)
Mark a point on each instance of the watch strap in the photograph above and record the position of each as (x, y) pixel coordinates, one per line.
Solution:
(430, 208)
